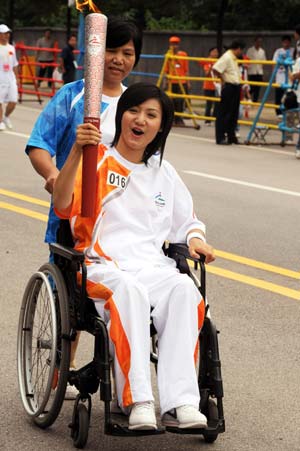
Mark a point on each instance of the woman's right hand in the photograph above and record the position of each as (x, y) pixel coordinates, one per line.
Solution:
(87, 134)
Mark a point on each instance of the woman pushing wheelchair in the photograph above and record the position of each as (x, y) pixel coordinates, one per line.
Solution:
(140, 203)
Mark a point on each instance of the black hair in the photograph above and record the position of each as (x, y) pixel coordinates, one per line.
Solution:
(237, 45)
(120, 31)
(212, 48)
(286, 37)
(137, 94)
(297, 29)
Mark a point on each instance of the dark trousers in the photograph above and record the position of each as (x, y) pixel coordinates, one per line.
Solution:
(278, 96)
(178, 103)
(254, 90)
(228, 112)
(43, 70)
(69, 76)
(210, 107)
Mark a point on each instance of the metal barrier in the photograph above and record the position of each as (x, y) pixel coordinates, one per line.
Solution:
(27, 71)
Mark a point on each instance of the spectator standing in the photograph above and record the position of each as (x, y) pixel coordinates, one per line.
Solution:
(283, 52)
(180, 68)
(296, 80)
(45, 56)
(297, 39)
(8, 78)
(228, 70)
(67, 62)
(209, 87)
(256, 71)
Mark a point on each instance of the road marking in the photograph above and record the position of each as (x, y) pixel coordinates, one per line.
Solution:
(257, 264)
(244, 147)
(24, 211)
(222, 254)
(241, 182)
(258, 283)
(20, 135)
(32, 200)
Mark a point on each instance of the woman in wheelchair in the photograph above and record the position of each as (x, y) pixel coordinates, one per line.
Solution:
(140, 203)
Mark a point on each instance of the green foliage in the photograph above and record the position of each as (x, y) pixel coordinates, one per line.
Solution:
(163, 14)
(169, 23)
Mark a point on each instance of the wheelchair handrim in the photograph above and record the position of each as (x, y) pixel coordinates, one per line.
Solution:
(25, 339)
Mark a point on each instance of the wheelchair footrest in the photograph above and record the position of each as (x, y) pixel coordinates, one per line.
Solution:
(213, 426)
(123, 431)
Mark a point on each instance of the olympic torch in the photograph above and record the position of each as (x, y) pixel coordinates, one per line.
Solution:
(95, 41)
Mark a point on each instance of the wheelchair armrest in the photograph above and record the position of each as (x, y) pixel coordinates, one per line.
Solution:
(180, 249)
(67, 252)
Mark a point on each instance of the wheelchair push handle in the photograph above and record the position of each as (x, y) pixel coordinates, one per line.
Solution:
(180, 253)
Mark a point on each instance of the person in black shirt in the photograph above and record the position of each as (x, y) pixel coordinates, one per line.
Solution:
(67, 60)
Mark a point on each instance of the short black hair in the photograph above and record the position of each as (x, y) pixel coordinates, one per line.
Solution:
(297, 29)
(120, 31)
(286, 37)
(137, 94)
(212, 48)
(237, 45)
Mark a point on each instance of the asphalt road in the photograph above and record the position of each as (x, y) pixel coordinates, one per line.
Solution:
(249, 197)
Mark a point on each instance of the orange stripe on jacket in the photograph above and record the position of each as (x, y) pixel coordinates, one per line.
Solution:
(83, 228)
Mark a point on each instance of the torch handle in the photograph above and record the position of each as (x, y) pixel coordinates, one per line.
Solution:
(89, 174)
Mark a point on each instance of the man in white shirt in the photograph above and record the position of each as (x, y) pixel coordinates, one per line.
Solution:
(228, 70)
(8, 78)
(256, 71)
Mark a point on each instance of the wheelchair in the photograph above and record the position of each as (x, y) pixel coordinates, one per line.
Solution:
(54, 308)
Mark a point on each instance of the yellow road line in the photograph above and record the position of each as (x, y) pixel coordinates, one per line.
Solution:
(258, 264)
(258, 283)
(24, 211)
(226, 255)
(278, 289)
(32, 200)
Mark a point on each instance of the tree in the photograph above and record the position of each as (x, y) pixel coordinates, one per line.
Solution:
(153, 14)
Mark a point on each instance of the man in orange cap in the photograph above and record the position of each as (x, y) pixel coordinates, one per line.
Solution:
(179, 68)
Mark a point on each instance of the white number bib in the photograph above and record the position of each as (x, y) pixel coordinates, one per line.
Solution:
(115, 179)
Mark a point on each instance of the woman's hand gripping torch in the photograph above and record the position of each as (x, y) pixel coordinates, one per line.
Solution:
(95, 42)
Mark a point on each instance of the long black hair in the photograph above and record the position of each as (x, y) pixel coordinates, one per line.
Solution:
(120, 31)
(134, 96)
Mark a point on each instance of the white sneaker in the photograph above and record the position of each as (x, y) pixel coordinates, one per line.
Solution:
(184, 417)
(71, 392)
(7, 122)
(142, 416)
(289, 141)
(2, 126)
(298, 154)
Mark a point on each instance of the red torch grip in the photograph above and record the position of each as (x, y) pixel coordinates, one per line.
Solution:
(89, 175)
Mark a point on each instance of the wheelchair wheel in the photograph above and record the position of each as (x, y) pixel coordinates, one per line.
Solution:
(43, 345)
(80, 429)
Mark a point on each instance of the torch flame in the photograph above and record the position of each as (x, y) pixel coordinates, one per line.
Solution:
(82, 4)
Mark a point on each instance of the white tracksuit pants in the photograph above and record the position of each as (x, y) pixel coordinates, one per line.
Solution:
(124, 300)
